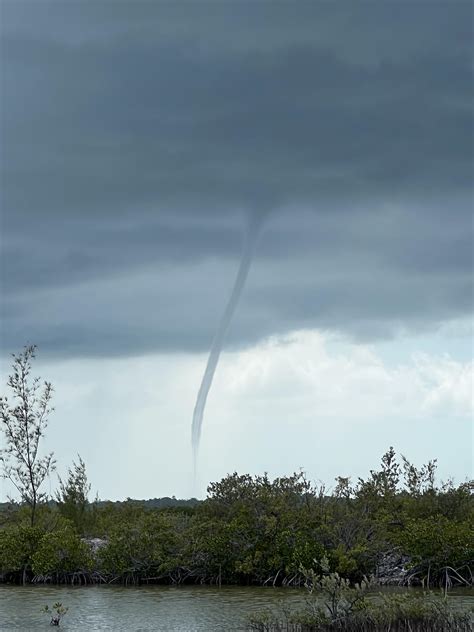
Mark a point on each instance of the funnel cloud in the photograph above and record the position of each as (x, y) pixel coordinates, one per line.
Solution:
(250, 242)
(137, 134)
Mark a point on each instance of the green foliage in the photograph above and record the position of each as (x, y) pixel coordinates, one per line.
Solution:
(436, 543)
(23, 420)
(397, 613)
(335, 599)
(259, 529)
(254, 530)
(72, 497)
(334, 605)
(27, 551)
(61, 552)
(142, 548)
(56, 612)
(429, 608)
(350, 563)
(17, 546)
(250, 529)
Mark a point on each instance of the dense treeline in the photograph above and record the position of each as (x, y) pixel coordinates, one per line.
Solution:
(396, 525)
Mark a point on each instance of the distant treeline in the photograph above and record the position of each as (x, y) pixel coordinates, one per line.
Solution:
(397, 525)
(151, 503)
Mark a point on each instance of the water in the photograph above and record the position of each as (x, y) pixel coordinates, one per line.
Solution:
(157, 608)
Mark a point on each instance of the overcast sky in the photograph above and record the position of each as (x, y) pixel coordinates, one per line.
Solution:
(139, 139)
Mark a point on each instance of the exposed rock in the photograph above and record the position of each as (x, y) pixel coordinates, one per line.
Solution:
(392, 569)
(95, 544)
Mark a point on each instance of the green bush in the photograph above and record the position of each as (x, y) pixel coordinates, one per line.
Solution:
(61, 552)
(334, 606)
(437, 545)
(17, 547)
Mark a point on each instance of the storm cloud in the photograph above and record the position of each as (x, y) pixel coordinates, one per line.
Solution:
(137, 137)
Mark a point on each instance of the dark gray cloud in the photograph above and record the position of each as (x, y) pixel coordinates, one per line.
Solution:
(136, 136)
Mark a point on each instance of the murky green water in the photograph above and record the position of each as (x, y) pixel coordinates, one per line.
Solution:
(157, 608)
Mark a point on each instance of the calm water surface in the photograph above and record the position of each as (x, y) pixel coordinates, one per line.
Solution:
(157, 608)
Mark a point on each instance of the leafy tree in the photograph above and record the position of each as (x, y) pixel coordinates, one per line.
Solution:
(379, 493)
(396, 524)
(61, 552)
(261, 530)
(17, 546)
(147, 547)
(439, 548)
(72, 495)
(419, 480)
(24, 420)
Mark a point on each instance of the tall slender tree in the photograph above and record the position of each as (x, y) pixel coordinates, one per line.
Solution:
(24, 418)
(72, 496)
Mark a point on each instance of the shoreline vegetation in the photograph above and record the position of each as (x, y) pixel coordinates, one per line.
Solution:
(428, 613)
(397, 526)
(333, 604)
